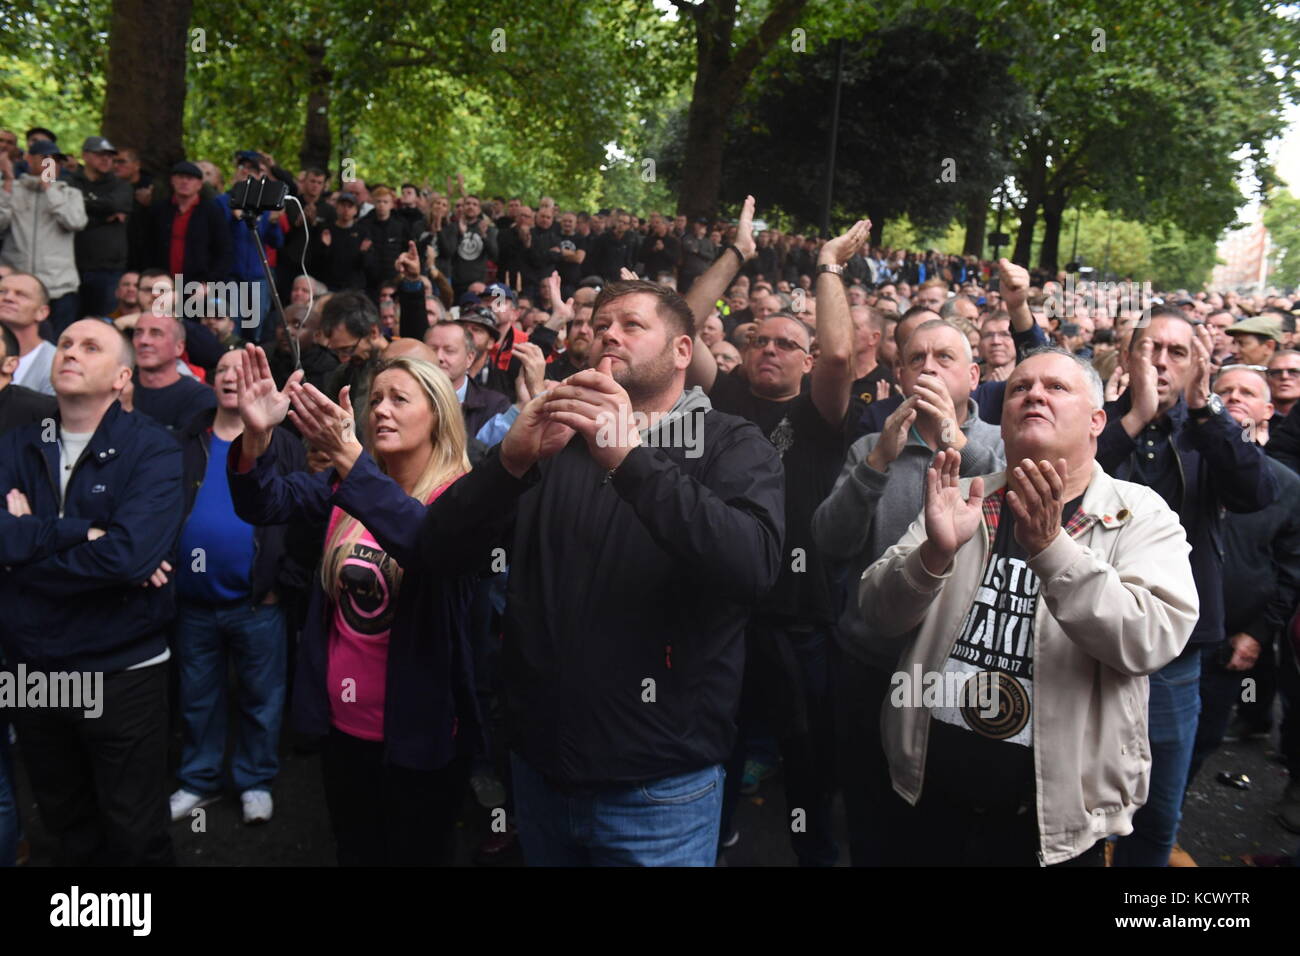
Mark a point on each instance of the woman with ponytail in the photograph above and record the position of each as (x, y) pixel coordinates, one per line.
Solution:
(384, 667)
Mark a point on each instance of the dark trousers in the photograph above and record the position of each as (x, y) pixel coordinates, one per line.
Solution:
(98, 292)
(869, 798)
(1221, 689)
(934, 833)
(384, 815)
(787, 687)
(63, 312)
(101, 783)
(1258, 713)
(1288, 686)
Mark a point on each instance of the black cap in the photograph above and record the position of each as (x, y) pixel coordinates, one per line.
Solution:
(186, 168)
(43, 147)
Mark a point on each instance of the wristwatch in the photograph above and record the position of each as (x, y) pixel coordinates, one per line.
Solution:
(827, 267)
(1213, 405)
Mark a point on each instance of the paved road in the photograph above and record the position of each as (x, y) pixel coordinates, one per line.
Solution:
(1219, 825)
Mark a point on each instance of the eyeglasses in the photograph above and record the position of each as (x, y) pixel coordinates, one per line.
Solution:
(1287, 372)
(345, 353)
(1250, 368)
(783, 344)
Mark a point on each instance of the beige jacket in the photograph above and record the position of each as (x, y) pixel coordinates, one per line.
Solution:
(1116, 602)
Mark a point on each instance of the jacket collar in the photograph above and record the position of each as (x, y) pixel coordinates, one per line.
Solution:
(1104, 500)
(103, 446)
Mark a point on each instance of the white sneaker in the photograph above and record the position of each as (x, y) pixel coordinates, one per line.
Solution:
(257, 806)
(183, 803)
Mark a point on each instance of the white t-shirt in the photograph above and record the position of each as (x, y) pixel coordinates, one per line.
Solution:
(34, 369)
(71, 445)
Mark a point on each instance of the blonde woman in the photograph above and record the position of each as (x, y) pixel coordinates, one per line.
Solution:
(384, 668)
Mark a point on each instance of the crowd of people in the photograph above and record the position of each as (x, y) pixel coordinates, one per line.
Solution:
(601, 520)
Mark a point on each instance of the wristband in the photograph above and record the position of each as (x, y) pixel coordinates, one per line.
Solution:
(736, 249)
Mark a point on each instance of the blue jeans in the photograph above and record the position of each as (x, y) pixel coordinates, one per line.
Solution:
(254, 637)
(1175, 703)
(668, 822)
(10, 823)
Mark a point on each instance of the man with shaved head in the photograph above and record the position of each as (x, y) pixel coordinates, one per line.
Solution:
(93, 509)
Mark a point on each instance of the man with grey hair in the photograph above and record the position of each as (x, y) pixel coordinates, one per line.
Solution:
(879, 491)
(161, 392)
(1050, 582)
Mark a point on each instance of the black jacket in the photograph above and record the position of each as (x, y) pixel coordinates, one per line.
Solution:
(1261, 570)
(73, 604)
(388, 241)
(208, 252)
(22, 406)
(102, 245)
(622, 591)
(480, 404)
(285, 456)
(1219, 470)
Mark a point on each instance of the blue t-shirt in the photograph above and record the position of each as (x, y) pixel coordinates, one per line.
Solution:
(216, 548)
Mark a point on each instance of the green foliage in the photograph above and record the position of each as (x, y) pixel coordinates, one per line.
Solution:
(1282, 219)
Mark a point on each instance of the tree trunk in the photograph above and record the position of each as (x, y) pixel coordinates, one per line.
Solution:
(721, 73)
(1035, 184)
(144, 98)
(315, 149)
(1053, 213)
(977, 221)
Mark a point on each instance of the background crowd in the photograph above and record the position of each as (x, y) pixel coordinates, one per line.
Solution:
(265, 541)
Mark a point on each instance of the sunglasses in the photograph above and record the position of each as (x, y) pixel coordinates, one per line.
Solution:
(783, 344)
(1280, 372)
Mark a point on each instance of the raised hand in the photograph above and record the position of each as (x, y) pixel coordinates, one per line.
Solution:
(842, 248)
(1036, 493)
(327, 426)
(950, 519)
(934, 401)
(1145, 398)
(745, 230)
(534, 367)
(1013, 284)
(596, 407)
(532, 437)
(1197, 391)
(893, 436)
(261, 405)
(408, 263)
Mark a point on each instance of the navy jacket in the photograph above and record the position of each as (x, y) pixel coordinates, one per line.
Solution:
(208, 253)
(430, 709)
(286, 455)
(480, 404)
(1219, 471)
(73, 604)
(1261, 576)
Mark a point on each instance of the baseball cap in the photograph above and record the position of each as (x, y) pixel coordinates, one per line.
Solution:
(248, 156)
(479, 315)
(468, 298)
(97, 144)
(43, 147)
(344, 196)
(186, 168)
(1257, 325)
(500, 289)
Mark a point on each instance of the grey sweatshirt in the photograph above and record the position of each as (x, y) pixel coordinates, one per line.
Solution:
(868, 511)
